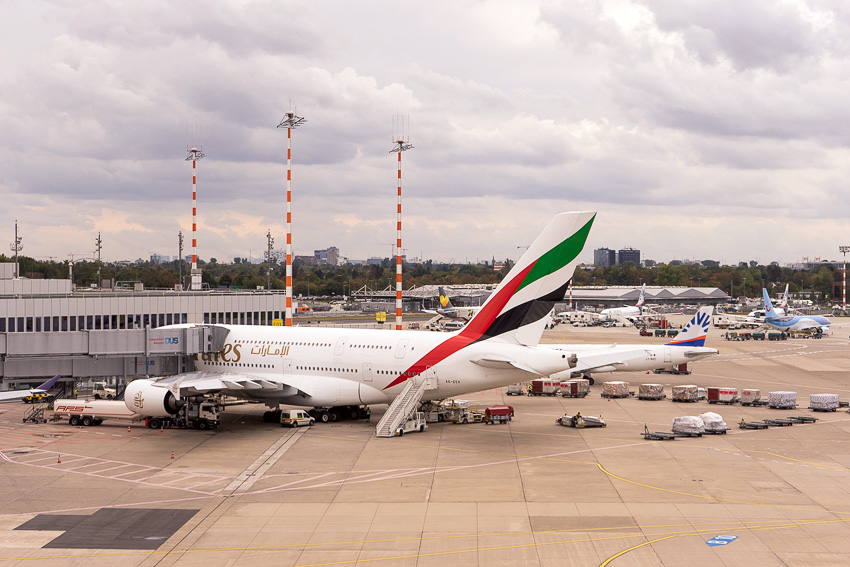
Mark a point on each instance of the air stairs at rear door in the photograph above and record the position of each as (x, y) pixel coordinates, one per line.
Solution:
(401, 409)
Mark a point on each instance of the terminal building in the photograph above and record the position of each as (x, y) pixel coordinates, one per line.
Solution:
(47, 327)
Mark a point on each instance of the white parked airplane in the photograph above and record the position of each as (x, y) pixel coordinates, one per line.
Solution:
(342, 368)
(17, 395)
(625, 313)
(688, 346)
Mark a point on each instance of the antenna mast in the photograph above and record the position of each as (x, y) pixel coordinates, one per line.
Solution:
(269, 258)
(290, 122)
(98, 244)
(401, 139)
(195, 153)
(180, 257)
(16, 247)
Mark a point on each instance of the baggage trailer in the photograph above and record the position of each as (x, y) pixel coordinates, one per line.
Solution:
(498, 414)
(544, 387)
(753, 425)
(515, 390)
(685, 393)
(722, 395)
(651, 392)
(615, 389)
(575, 388)
(657, 435)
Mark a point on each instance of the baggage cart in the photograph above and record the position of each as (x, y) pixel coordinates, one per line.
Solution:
(615, 389)
(722, 395)
(685, 393)
(651, 392)
(657, 435)
(753, 425)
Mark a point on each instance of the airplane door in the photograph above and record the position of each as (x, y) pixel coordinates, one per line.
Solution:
(340, 346)
(431, 380)
(401, 348)
(367, 371)
(667, 355)
(287, 367)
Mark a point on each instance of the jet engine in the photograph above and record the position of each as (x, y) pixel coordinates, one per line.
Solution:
(142, 397)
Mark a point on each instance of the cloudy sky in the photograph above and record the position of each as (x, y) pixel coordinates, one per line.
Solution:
(708, 129)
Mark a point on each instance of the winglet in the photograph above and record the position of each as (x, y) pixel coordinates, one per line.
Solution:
(696, 330)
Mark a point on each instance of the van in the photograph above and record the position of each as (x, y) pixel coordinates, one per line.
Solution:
(453, 326)
(295, 417)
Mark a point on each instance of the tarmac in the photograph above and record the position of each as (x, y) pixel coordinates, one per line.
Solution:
(528, 493)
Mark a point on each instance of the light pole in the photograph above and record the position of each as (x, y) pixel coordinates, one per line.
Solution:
(844, 250)
(269, 258)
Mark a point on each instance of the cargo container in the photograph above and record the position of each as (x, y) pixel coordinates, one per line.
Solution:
(544, 387)
(685, 393)
(575, 388)
(651, 392)
(722, 395)
(750, 396)
(615, 389)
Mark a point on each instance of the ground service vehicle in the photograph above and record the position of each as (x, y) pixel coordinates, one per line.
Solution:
(92, 412)
(101, 391)
(514, 390)
(295, 417)
(36, 398)
(415, 423)
(498, 414)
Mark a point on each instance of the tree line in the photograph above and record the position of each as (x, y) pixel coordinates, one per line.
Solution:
(745, 279)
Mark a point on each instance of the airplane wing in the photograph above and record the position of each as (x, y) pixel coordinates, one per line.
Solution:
(504, 363)
(233, 383)
(14, 395)
(616, 358)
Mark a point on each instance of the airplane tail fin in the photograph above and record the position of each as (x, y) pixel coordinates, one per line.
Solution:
(49, 384)
(769, 313)
(784, 303)
(445, 302)
(516, 311)
(642, 298)
(696, 330)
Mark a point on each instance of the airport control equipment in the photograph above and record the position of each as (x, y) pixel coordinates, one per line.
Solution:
(580, 421)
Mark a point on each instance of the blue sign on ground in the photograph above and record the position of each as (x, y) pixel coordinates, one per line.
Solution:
(721, 540)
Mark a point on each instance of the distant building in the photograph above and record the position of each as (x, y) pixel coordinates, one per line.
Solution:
(628, 255)
(327, 256)
(375, 261)
(603, 257)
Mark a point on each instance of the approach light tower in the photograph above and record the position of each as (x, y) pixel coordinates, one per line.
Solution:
(402, 144)
(195, 154)
(290, 121)
(844, 250)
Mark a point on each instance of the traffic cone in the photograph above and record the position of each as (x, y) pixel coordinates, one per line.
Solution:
(161, 428)
(172, 454)
(58, 459)
(128, 429)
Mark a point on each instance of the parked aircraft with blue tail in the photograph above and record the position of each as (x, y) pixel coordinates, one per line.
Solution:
(804, 323)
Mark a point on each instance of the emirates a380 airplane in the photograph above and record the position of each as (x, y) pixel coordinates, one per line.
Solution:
(341, 369)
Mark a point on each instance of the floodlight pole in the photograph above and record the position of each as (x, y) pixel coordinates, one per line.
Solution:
(290, 121)
(844, 250)
(401, 145)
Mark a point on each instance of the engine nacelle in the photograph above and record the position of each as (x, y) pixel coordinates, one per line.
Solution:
(142, 397)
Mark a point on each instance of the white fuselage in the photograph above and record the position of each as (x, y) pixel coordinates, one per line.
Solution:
(631, 358)
(619, 313)
(340, 366)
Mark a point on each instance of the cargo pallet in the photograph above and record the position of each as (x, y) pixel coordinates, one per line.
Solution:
(753, 425)
(803, 419)
(779, 422)
(822, 409)
(661, 397)
(629, 395)
(727, 402)
(792, 406)
(756, 403)
(579, 395)
(686, 401)
(677, 434)
(657, 435)
(716, 431)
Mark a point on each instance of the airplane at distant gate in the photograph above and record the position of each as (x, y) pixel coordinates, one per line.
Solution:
(625, 313)
(811, 323)
(446, 308)
(17, 395)
(339, 369)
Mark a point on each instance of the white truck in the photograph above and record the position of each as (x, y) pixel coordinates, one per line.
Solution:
(92, 412)
(101, 391)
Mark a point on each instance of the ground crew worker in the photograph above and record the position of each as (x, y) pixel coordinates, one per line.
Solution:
(368, 413)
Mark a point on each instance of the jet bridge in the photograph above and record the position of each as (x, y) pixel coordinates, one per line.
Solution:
(86, 354)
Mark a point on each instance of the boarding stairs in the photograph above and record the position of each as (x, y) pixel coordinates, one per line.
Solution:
(402, 408)
(35, 413)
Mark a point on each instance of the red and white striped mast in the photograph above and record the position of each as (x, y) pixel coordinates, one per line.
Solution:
(402, 144)
(844, 250)
(195, 154)
(290, 121)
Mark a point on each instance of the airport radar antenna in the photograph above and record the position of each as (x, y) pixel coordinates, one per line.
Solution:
(195, 153)
(290, 121)
(401, 139)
